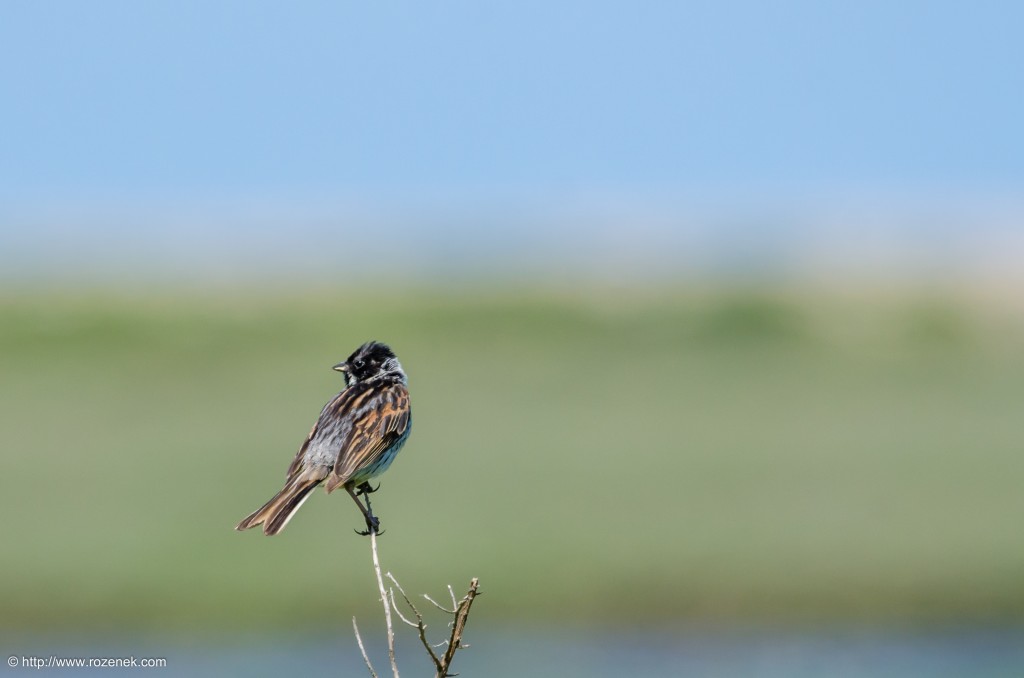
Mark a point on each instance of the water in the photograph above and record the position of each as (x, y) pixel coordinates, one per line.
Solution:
(543, 652)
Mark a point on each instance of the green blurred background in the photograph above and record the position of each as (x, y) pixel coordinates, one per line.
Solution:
(711, 312)
(640, 457)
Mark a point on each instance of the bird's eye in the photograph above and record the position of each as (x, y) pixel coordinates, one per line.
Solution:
(360, 364)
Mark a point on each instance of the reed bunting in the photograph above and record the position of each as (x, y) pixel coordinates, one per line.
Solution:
(357, 436)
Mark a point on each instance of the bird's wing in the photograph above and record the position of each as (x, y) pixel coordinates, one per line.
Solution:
(335, 405)
(379, 419)
(297, 461)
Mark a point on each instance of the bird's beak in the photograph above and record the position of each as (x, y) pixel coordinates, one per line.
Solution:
(341, 367)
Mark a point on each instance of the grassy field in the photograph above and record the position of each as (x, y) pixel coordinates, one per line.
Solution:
(593, 458)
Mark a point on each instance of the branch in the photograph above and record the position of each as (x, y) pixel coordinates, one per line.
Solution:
(387, 603)
(440, 606)
(460, 610)
(461, 616)
(419, 625)
(366, 657)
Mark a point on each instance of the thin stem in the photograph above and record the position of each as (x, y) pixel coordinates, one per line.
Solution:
(461, 615)
(420, 626)
(439, 605)
(385, 601)
(366, 657)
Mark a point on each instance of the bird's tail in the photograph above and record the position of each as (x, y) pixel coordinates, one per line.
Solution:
(276, 513)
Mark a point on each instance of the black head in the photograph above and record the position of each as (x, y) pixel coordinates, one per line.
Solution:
(369, 361)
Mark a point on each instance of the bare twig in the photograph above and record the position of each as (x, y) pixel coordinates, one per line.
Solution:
(397, 610)
(439, 605)
(386, 602)
(420, 626)
(366, 657)
(460, 611)
(454, 643)
(461, 616)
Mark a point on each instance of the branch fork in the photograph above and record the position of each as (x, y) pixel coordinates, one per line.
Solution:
(460, 611)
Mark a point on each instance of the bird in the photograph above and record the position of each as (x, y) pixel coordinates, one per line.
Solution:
(357, 436)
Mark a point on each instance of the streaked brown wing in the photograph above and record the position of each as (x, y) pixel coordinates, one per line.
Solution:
(336, 403)
(297, 462)
(379, 422)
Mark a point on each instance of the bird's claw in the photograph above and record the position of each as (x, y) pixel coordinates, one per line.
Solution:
(372, 526)
(366, 489)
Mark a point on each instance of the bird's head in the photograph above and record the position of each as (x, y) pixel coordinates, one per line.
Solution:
(372, 360)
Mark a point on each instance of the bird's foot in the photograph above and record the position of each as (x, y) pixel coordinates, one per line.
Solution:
(365, 488)
(372, 527)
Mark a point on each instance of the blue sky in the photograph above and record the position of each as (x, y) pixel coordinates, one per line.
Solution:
(144, 108)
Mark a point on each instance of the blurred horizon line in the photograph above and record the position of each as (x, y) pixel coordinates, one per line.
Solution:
(619, 241)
